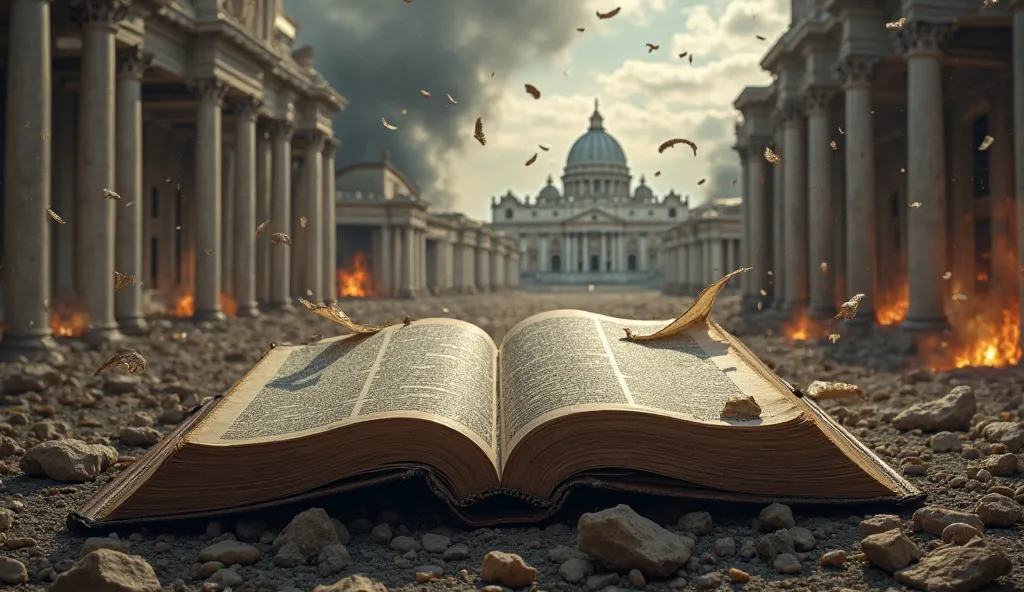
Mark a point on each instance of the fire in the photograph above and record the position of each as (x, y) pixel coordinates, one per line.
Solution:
(71, 324)
(984, 333)
(183, 304)
(892, 305)
(801, 327)
(355, 279)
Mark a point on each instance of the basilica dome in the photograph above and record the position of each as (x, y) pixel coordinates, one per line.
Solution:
(596, 146)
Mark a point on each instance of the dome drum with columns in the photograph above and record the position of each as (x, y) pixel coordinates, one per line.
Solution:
(596, 228)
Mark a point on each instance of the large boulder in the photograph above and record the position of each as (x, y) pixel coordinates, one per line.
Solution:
(958, 568)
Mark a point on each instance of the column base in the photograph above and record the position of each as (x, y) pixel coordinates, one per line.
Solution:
(248, 311)
(467, 290)
(283, 307)
(133, 326)
(483, 289)
(932, 325)
(100, 335)
(212, 316)
(32, 348)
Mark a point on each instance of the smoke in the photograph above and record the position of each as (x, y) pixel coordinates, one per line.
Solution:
(379, 54)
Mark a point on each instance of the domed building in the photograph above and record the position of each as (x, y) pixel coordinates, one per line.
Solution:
(596, 228)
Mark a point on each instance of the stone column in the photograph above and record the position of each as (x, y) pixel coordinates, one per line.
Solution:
(642, 257)
(821, 218)
(384, 279)
(210, 95)
(861, 241)
(403, 264)
(747, 281)
(128, 172)
(227, 220)
(313, 267)
(602, 259)
(264, 181)
(544, 264)
(244, 222)
(94, 216)
(1003, 280)
(1018, 138)
(693, 267)
(27, 144)
(717, 259)
(280, 215)
(63, 184)
(760, 220)
(794, 167)
(926, 176)
(330, 223)
(778, 287)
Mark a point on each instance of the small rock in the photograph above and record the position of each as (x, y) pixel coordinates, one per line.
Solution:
(333, 559)
(1002, 465)
(6, 519)
(225, 578)
(890, 550)
(304, 538)
(230, 553)
(95, 543)
(68, 460)
(356, 583)
(786, 563)
(132, 436)
(950, 413)
(636, 578)
(833, 558)
(959, 533)
(602, 581)
(997, 511)
(699, 523)
(803, 540)
(455, 553)
(209, 568)
(774, 544)
(575, 571)
(381, 534)
(404, 543)
(958, 568)
(820, 390)
(879, 523)
(435, 543)
(738, 575)
(725, 547)
(621, 539)
(106, 570)
(1007, 433)
(774, 517)
(12, 571)
(507, 569)
(946, 442)
(933, 519)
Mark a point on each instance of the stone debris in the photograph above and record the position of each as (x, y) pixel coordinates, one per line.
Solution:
(824, 391)
(305, 537)
(507, 569)
(950, 413)
(774, 517)
(1007, 433)
(958, 568)
(230, 552)
(997, 511)
(879, 523)
(68, 460)
(835, 558)
(106, 570)
(933, 519)
(354, 583)
(12, 571)
(890, 550)
(959, 533)
(620, 539)
(742, 407)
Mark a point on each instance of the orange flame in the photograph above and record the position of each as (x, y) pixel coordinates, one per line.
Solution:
(71, 324)
(356, 279)
(892, 305)
(183, 304)
(801, 327)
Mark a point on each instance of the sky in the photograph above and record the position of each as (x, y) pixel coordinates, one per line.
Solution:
(381, 53)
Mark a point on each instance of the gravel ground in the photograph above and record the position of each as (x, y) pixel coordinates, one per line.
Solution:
(187, 362)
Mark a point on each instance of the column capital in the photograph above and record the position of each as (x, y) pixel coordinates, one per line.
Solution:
(918, 38)
(857, 70)
(209, 89)
(99, 12)
(132, 63)
(790, 111)
(331, 146)
(817, 99)
(249, 108)
(282, 128)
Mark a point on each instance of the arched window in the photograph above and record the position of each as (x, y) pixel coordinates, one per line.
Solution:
(508, 214)
(631, 263)
(671, 213)
(556, 263)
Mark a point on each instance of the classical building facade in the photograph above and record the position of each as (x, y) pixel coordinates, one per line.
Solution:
(899, 127)
(152, 138)
(410, 251)
(703, 248)
(596, 229)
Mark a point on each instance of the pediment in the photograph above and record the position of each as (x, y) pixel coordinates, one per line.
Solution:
(593, 216)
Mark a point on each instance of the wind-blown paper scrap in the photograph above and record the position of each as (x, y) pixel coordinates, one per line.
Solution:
(696, 313)
(333, 313)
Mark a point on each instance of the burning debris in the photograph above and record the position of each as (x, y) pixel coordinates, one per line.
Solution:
(771, 157)
(122, 281)
(355, 280)
(848, 309)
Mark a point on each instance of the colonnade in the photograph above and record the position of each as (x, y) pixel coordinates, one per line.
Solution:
(107, 228)
(589, 251)
(693, 263)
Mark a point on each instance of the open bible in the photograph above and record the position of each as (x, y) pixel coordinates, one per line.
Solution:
(566, 399)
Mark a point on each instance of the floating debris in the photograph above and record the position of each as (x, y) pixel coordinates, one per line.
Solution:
(834, 337)
(55, 217)
(262, 227)
(122, 280)
(947, 275)
(453, 101)
(478, 131)
(896, 25)
(824, 268)
(543, 147)
(915, 205)
(280, 238)
(652, 47)
(425, 94)
(771, 157)
(986, 142)
(131, 360)
(303, 221)
(388, 125)
(960, 297)
(532, 160)
(833, 145)
(701, 182)
(532, 90)
(674, 141)
(848, 309)
(609, 14)
(108, 194)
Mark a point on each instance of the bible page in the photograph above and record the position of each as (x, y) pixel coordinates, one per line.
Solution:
(438, 369)
(569, 361)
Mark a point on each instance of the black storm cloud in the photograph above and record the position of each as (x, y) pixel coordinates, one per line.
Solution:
(380, 53)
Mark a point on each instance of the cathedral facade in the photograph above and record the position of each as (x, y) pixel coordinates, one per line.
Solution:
(597, 228)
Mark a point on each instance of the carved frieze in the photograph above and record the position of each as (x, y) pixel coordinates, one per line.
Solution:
(249, 108)
(132, 63)
(855, 70)
(923, 37)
